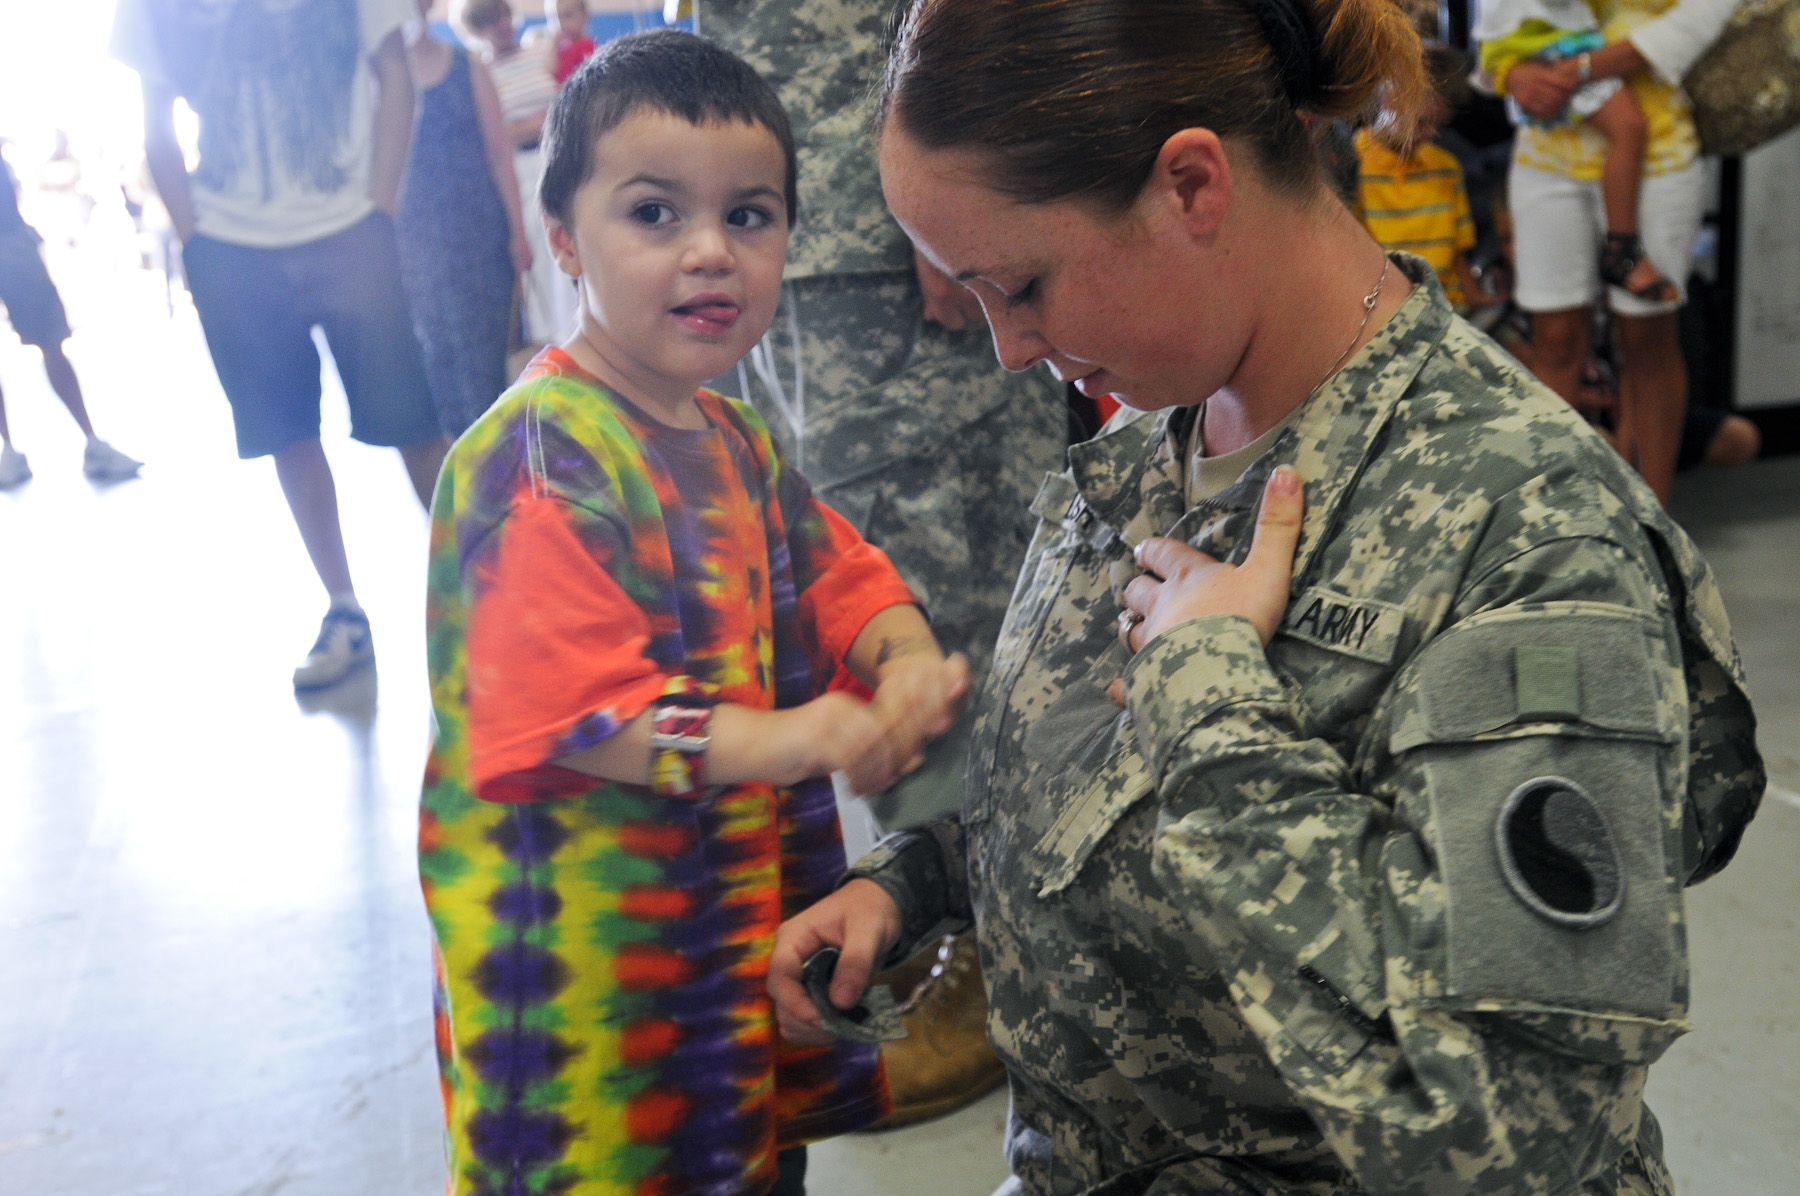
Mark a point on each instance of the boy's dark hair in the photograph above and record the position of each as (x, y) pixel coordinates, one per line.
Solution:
(1448, 69)
(667, 70)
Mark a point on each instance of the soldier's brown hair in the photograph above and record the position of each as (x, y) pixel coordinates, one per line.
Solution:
(1075, 98)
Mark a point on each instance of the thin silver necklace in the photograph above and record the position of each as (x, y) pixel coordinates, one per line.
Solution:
(1368, 308)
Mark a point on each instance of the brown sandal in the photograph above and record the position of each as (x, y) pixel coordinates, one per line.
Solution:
(1620, 256)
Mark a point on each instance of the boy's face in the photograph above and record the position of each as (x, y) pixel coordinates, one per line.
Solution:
(572, 17)
(679, 237)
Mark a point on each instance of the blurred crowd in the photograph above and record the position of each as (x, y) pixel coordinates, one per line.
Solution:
(385, 194)
(1629, 335)
(392, 202)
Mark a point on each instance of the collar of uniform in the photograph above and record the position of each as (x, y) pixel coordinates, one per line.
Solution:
(1331, 440)
(1327, 444)
(1109, 468)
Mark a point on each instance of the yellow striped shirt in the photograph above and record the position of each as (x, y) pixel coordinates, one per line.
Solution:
(1416, 203)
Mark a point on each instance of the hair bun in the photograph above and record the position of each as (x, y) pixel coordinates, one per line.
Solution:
(1294, 47)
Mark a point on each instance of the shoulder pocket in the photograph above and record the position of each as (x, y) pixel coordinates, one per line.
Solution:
(1538, 738)
(1547, 671)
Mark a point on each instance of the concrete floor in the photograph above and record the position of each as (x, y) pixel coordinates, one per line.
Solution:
(215, 972)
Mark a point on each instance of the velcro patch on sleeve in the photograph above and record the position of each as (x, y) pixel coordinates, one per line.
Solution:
(1547, 681)
(1360, 627)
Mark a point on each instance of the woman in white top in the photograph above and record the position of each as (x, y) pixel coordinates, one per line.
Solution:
(526, 86)
(1556, 208)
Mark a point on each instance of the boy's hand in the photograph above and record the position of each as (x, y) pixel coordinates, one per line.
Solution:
(833, 732)
(875, 743)
(862, 922)
(920, 696)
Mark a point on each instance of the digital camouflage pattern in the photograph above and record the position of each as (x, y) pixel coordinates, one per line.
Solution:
(1253, 934)
(824, 59)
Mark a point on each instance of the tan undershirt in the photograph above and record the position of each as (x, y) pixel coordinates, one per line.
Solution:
(1207, 476)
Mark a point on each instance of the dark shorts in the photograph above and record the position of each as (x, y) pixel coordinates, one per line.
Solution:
(32, 304)
(258, 308)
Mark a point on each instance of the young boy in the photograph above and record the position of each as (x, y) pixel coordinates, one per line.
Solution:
(286, 224)
(1512, 31)
(635, 610)
(1412, 197)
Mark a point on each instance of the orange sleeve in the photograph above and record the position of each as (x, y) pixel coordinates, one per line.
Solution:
(857, 582)
(557, 657)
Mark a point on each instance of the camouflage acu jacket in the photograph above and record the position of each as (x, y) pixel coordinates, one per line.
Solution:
(824, 58)
(1393, 905)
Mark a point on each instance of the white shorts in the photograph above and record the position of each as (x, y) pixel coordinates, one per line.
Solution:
(1559, 223)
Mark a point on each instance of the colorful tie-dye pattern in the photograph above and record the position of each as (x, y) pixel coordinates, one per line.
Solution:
(602, 1022)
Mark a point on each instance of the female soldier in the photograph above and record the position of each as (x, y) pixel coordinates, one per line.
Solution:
(1375, 883)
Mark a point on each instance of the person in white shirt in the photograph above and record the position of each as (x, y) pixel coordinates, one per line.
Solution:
(305, 111)
(1555, 196)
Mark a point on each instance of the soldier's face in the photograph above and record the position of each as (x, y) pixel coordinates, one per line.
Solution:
(1122, 304)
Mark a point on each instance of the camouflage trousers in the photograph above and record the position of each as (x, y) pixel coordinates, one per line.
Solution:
(919, 438)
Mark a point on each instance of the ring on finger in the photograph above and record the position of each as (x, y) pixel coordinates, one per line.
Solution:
(1128, 622)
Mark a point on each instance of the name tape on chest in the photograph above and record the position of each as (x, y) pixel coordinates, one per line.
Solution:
(1360, 627)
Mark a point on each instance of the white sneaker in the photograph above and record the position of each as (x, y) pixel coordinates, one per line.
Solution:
(104, 463)
(13, 470)
(344, 645)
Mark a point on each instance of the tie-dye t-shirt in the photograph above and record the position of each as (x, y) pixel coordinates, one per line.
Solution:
(602, 1021)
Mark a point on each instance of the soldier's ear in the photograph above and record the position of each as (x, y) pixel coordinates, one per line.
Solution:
(1192, 180)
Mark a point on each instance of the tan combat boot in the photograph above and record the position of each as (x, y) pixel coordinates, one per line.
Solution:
(944, 1062)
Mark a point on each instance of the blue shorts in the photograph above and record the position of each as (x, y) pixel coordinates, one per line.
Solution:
(258, 307)
(26, 292)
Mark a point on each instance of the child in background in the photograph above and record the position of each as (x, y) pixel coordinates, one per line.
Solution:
(1512, 31)
(648, 646)
(572, 44)
(1411, 197)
